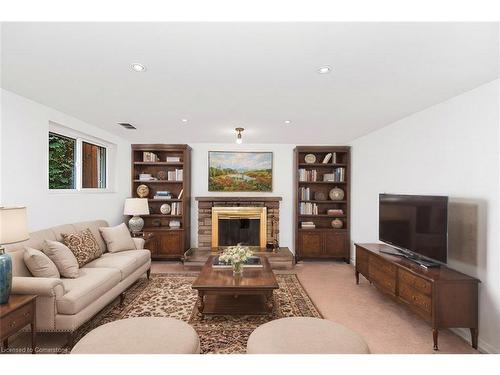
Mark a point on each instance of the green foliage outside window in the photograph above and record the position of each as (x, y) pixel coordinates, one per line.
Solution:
(61, 162)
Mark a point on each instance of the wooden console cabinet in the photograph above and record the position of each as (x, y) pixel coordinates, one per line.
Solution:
(441, 296)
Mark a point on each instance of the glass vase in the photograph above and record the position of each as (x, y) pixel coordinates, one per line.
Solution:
(237, 269)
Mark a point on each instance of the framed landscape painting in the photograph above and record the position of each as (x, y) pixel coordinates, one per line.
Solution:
(240, 171)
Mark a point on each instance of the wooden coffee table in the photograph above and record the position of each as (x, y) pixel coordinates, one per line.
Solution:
(220, 292)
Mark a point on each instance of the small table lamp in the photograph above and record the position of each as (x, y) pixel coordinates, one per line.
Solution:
(136, 207)
(13, 228)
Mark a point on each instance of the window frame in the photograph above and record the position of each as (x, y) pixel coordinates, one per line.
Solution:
(79, 139)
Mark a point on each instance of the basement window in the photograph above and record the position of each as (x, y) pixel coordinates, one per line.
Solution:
(93, 166)
(76, 162)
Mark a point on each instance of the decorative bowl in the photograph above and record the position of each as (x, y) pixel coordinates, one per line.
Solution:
(310, 159)
(336, 194)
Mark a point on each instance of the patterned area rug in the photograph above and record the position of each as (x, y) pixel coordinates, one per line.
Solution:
(170, 295)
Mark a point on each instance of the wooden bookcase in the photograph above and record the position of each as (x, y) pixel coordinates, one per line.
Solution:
(167, 243)
(323, 241)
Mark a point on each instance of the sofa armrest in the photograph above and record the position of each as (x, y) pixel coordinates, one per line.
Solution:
(41, 286)
(139, 243)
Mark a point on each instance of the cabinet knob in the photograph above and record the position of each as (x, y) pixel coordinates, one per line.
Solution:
(12, 324)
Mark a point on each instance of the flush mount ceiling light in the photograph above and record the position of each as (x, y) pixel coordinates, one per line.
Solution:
(184, 120)
(136, 67)
(324, 70)
(239, 140)
(288, 122)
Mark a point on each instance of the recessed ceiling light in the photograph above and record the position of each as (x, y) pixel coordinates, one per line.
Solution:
(136, 67)
(324, 70)
(184, 120)
(288, 122)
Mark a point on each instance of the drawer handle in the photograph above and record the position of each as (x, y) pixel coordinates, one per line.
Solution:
(26, 314)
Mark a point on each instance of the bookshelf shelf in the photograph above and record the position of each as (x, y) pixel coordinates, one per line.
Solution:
(158, 182)
(167, 243)
(324, 165)
(321, 241)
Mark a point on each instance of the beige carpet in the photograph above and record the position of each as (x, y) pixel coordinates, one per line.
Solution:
(386, 326)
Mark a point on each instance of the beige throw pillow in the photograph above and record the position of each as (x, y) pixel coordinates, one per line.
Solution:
(40, 264)
(117, 238)
(83, 245)
(62, 257)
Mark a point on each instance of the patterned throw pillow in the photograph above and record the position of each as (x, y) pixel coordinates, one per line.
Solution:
(83, 245)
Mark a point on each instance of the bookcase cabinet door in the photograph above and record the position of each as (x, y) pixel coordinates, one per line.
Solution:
(170, 244)
(336, 244)
(311, 244)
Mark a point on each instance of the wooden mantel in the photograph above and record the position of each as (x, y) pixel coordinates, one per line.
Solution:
(238, 199)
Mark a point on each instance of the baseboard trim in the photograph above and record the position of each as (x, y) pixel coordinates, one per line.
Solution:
(482, 345)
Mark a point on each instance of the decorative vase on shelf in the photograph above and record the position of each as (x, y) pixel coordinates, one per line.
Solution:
(5, 276)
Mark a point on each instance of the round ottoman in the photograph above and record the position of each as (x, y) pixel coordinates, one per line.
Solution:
(300, 335)
(140, 336)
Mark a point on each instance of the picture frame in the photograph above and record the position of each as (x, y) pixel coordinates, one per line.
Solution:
(240, 171)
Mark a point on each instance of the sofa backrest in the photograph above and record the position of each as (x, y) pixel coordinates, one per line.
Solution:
(37, 239)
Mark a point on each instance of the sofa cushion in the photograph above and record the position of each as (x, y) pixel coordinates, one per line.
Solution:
(83, 245)
(85, 289)
(40, 264)
(117, 238)
(124, 261)
(62, 257)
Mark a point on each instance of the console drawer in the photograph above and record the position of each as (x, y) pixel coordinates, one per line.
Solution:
(382, 266)
(385, 281)
(415, 299)
(417, 283)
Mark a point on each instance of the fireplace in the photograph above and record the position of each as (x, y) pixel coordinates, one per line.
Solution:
(233, 225)
(242, 215)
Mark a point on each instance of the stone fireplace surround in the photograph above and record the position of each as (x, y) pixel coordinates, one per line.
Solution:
(205, 205)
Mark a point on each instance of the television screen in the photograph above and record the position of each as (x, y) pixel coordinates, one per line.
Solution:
(416, 223)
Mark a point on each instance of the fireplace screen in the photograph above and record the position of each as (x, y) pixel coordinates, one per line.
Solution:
(235, 231)
(233, 225)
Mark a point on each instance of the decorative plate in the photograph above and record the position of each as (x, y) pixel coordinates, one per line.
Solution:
(337, 223)
(142, 191)
(336, 194)
(310, 159)
(165, 209)
(162, 175)
(319, 196)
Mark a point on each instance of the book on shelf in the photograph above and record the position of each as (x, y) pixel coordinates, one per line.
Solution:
(173, 159)
(339, 174)
(252, 262)
(308, 208)
(163, 194)
(174, 224)
(175, 175)
(307, 225)
(308, 176)
(327, 158)
(176, 208)
(305, 194)
(180, 194)
(150, 157)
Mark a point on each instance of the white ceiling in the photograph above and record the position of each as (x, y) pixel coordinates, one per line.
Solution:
(254, 75)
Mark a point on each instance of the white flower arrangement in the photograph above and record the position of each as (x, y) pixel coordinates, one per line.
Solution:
(236, 256)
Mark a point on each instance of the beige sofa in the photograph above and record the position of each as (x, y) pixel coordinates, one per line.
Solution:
(63, 305)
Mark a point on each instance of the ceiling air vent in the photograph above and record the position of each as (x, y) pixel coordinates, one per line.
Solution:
(126, 125)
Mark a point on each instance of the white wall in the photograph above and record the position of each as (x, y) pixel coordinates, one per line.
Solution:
(282, 182)
(24, 167)
(449, 149)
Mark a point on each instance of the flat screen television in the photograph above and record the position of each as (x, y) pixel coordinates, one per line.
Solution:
(416, 224)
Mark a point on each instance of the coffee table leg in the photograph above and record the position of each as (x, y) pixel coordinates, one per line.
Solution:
(201, 302)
